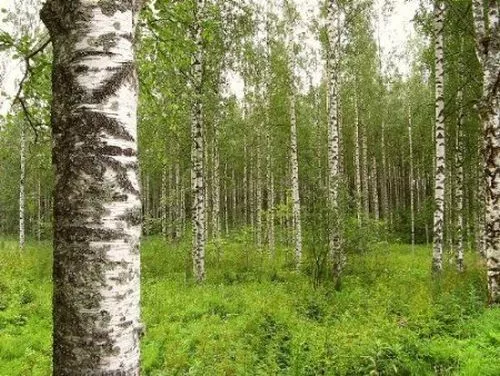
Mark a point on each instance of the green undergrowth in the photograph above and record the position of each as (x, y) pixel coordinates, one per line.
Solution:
(254, 316)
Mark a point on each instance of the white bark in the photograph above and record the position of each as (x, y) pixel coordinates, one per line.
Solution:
(216, 228)
(197, 150)
(163, 203)
(294, 160)
(459, 196)
(334, 141)
(22, 184)
(357, 161)
(374, 188)
(412, 180)
(440, 177)
(383, 185)
(97, 222)
(488, 52)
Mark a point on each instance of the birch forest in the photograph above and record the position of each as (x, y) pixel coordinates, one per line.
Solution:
(221, 187)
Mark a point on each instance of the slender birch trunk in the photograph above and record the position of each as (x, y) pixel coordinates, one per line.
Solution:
(176, 203)
(22, 185)
(97, 214)
(333, 142)
(234, 199)
(411, 180)
(357, 156)
(383, 178)
(294, 160)
(197, 153)
(488, 52)
(163, 203)
(364, 171)
(270, 194)
(459, 196)
(440, 177)
(375, 200)
(216, 228)
(39, 211)
(245, 183)
(258, 192)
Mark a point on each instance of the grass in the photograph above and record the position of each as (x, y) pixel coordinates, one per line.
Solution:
(257, 317)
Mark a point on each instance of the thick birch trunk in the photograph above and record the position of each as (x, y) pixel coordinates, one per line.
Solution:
(197, 153)
(97, 213)
(22, 185)
(488, 52)
(440, 177)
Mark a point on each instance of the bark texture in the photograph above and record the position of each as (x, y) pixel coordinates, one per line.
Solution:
(197, 150)
(294, 160)
(440, 177)
(488, 52)
(97, 204)
(334, 141)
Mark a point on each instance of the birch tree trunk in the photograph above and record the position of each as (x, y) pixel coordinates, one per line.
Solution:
(333, 142)
(294, 160)
(176, 203)
(22, 184)
(488, 52)
(97, 206)
(459, 196)
(383, 178)
(365, 189)
(440, 177)
(216, 228)
(374, 185)
(258, 192)
(411, 180)
(163, 203)
(197, 153)
(357, 157)
(39, 211)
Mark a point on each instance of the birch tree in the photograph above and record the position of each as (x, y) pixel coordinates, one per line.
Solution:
(459, 194)
(97, 202)
(22, 186)
(197, 153)
(488, 52)
(439, 183)
(333, 140)
(294, 160)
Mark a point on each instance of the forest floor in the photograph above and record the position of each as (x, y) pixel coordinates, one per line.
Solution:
(257, 317)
